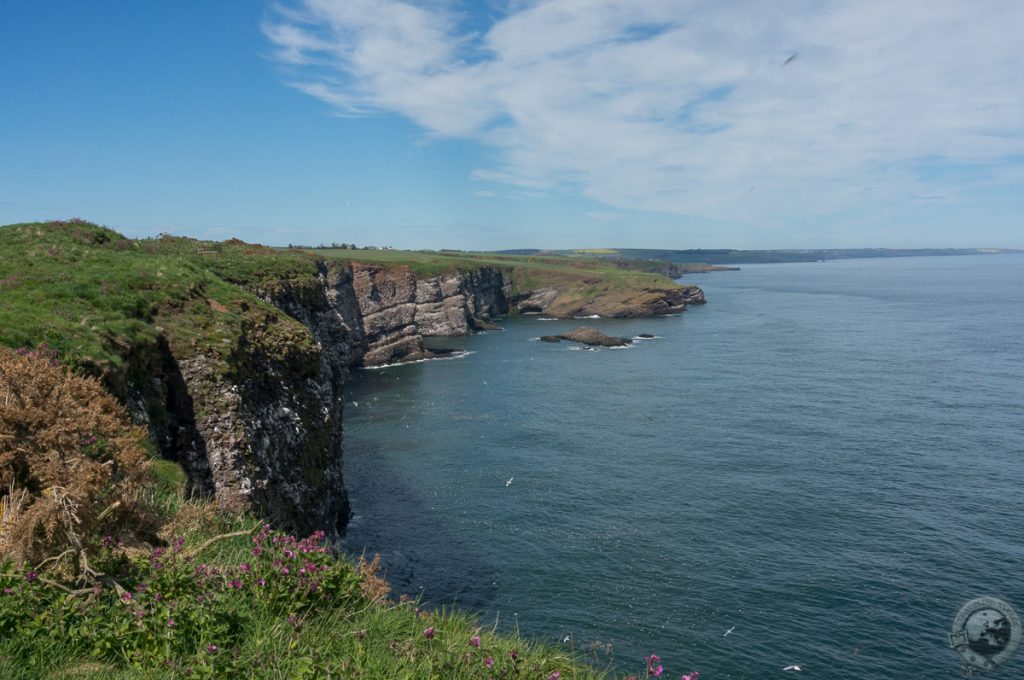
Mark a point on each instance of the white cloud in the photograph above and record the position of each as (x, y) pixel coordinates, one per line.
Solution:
(602, 216)
(685, 106)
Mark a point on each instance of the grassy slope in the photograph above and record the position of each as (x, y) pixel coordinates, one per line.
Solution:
(104, 302)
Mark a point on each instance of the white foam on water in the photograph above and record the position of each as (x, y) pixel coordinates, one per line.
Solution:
(450, 357)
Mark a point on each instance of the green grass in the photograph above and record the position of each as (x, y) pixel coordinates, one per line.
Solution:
(105, 302)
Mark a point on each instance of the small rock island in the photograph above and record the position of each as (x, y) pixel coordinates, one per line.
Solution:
(590, 337)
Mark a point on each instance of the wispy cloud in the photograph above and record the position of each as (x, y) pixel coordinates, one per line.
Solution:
(485, 193)
(601, 216)
(690, 106)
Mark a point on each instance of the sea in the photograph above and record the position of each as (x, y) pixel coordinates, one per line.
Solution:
(819, 468)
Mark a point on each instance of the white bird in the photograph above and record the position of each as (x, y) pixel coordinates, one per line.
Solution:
(356, 404)
(566, 639)
(729, 631)
(508, 482)
(792, 667)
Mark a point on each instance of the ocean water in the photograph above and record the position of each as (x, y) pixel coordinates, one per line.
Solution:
(828, 459)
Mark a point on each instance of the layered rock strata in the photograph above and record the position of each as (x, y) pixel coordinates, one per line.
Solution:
(399, 308)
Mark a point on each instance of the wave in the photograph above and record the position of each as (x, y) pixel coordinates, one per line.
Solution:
(454, 355)
(592, 316)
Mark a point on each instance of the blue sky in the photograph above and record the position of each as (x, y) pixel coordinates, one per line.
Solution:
(570, 123)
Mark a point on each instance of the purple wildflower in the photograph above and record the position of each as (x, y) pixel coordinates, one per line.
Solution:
(212, 649)
(474, 641)
(429, 633)
(31, 576)
(489, 661)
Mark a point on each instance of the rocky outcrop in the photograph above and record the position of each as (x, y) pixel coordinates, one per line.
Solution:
(693, 295)
(259, 428)
(536, 301)
(399, 308)
(590, 337)
(612, 303)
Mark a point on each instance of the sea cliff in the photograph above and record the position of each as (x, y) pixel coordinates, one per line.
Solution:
(235, 355)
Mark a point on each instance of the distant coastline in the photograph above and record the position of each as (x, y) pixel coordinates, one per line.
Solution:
(694, 259)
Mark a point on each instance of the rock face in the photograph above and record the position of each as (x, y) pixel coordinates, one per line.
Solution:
(260, 429)
(399, 309)
(591, 337)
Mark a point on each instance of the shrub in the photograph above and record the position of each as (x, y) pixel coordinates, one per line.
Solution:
(72, 466)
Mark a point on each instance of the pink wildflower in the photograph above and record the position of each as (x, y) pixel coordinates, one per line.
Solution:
(474, 641)
(212, 649)
(429, 633)
(555, 676)
(489, 661)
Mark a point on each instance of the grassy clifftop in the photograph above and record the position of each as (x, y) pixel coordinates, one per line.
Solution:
(100, 298)
(103, 301)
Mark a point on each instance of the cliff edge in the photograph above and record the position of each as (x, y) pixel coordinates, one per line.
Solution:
(235, 355)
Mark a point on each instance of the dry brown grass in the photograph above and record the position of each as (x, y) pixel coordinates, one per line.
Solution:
(374, 586)
(72, 466)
